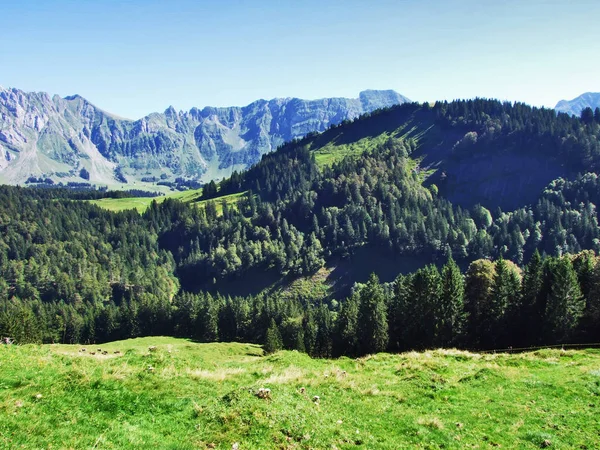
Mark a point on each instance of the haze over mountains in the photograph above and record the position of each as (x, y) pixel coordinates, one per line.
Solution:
(71, 140)
(578, 104)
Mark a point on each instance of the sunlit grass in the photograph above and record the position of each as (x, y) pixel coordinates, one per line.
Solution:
(187, 395)
(142, 203)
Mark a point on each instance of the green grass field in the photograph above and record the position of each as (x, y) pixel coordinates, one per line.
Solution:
(185, 395)
(142, 203)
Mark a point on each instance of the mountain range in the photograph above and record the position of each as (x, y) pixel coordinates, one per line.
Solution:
(71, 140)
(578, 104)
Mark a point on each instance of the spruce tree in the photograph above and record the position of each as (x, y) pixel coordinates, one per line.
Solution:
(452, 304)
(273, 341)
(310, 332)
(587, 115)
(323, 343)
(401, 314)
(292, 334)
(208, 320)
(565, 304)
(346, 326)
(584, 263)
(372, 318)
(531, 313)
(426, 307)
(502, 295)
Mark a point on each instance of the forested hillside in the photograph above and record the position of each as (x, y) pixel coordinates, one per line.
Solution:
(383, 184)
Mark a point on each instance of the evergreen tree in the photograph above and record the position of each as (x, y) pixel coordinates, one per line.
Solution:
(208, 320)
(310, 332)
(347, 325)
(587, 115)
(504, 294)
(427, 309)
(209, 190)
(532, 308)
(372, 318)
(20, 323)
(273, 341)
(323, 342)
(400, 314)
(453, 304)
(584, 264)
(292, 334)
(565, 304)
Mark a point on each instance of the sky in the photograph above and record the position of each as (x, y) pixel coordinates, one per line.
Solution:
(133, 57)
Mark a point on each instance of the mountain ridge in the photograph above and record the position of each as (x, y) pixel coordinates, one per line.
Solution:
(579, 103)
(55, 137)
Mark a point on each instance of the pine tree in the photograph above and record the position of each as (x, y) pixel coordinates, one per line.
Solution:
(372, 318)
(273, 341)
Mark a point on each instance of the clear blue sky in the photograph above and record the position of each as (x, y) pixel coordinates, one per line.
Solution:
(133, 57)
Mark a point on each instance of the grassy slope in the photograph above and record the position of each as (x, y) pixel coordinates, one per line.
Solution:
(142, 203)
(200, 395)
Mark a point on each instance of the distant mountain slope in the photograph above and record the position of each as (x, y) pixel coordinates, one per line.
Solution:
(70, 139)
(578, 104)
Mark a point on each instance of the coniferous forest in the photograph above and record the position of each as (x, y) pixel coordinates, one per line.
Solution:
(73, 272)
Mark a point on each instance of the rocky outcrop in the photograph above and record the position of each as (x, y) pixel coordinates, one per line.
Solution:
(57, 137)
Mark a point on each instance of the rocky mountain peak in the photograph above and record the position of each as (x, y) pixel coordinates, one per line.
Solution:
(57, 138)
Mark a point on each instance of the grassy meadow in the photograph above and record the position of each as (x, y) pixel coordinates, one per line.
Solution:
(185, 395)
(142, 203)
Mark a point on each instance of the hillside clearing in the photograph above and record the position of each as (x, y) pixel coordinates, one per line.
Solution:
(142, 203)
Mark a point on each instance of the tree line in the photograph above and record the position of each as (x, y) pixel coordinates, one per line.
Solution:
(493, 304)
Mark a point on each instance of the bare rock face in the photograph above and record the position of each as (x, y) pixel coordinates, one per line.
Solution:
(54, 137)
